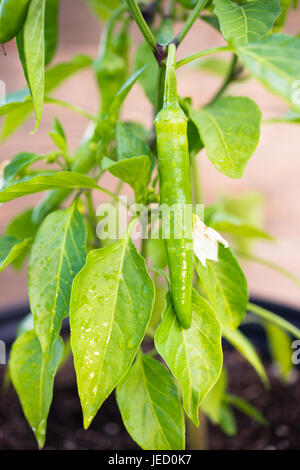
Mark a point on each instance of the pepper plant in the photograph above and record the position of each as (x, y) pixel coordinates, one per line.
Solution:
(146, 318)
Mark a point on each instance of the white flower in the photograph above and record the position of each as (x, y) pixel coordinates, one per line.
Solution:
(205, 241)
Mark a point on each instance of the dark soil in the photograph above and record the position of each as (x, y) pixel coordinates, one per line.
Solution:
(280, 406)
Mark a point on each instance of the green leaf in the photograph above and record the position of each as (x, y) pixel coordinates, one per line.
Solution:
(33, 376)
(156, 252)
(212, 20)
(123, 92)
(243, 217)
(213, 401)
(246, 408)
(111, 305)
(275, 62)
(19, 163)
(248, 207)
(274, 319)
(230, 130)
(134, 171)
(194, 141)
(276, 267)
(58, 253)
(60, 72)
(246, 23)
(165, 32)
(227, 420)
(15, 114)
(190, 4)
(214, 65)
(194, 355)
(103, 8)
(149, 80)
(129, 143)
(224, 222)
(286, 5)
(10, 249)
(150, 406)
(19, 104)
(18, 96)
(217, 409)
(226, 287)
(51, 29)
(280, 348)
(139, 130)
(289, 117)
(12, 102)
(243, 345)
(54, 77)
(58, 136)
(31, 49)
(22, 226)
(35, 184)
(105, 129)
(25, 325)
(158, 307)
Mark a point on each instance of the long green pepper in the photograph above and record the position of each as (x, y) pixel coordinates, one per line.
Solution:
(175, 189)
(12, 16)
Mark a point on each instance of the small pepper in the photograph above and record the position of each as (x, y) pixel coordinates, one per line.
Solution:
(175, 188)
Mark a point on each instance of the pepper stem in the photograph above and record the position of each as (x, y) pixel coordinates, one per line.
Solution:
(170, 92)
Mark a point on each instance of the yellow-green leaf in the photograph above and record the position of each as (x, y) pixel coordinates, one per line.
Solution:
(111, 305)
(11, 248)
(194, 355)
(58, 253)
(230, 130)
(226, 287)
(150, 406)
(33, 376)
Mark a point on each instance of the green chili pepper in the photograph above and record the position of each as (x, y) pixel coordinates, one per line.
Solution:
(175, 188)
(12, 17)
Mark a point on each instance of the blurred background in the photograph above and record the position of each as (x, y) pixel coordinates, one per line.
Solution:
(273, 171)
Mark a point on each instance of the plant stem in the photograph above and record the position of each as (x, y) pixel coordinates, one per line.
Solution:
(91, 210)
(274, 319)
(271, 265)
(198, 437)
(72, 107)
(111, 194)
(142, 25)
(190, 21)
(228, 79)
(199, 55)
